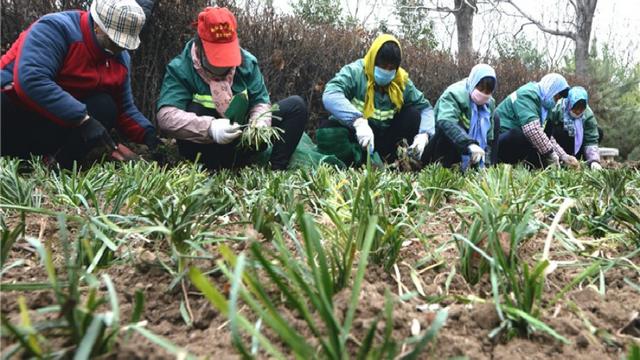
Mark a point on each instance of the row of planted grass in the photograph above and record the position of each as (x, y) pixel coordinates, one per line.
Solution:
(319, 231)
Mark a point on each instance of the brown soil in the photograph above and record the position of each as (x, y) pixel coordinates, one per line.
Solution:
(466, 332)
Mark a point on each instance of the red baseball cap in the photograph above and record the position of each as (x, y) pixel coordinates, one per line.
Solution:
(218, 30)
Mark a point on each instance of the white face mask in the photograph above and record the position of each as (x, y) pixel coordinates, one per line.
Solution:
(574, 115)
(479, 97)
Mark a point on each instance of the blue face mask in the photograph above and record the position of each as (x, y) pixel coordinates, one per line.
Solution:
(383, 77)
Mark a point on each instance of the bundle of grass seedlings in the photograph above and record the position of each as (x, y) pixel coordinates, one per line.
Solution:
(258, 138)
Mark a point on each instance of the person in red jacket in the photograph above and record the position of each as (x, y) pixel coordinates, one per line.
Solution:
(66, 82)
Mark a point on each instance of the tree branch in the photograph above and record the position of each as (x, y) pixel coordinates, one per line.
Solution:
(435, 9)
(475, 8)
(373, 8)
(522, 28)
(542, 27)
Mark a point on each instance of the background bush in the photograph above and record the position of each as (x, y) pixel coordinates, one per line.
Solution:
(297, 57)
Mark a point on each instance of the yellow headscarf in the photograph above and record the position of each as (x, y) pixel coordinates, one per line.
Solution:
(395, 88)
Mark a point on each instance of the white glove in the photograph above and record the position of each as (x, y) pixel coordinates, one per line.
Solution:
(364, 134)
(420, 141)
(552, 159)
(596, 166)
(476, 153)
(223, 132)
(571, 161)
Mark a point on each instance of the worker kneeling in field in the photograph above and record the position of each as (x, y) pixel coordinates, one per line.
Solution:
(214, 90)
(465, 128)
(66, 83)
(522, 117)
(572, 124)
(374, 106)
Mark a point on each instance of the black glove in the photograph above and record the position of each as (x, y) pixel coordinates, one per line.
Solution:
(95, 134)
(151, 140)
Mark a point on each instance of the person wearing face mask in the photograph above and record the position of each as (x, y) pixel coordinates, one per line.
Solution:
(199, 85)
(66, 83)
(373, 107)
(572, 124)
(465, 128)
(522, 117)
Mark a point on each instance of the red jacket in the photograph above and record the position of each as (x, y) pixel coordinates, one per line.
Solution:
(57, 61)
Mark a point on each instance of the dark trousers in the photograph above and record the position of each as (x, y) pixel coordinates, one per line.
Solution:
(566, 141)
(293, 116)
(404, 126)
(514, 147)
(26, 133)
(444, 150)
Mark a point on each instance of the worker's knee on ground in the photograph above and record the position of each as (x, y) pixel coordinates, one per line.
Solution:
(294, 105)
(410, 112)
(103, 108)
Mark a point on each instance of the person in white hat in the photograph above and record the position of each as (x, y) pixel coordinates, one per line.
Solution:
(66, 83)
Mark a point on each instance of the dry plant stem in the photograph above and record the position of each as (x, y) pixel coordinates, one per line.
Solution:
(547, 244)
(398, 280)
(43, 227)
(186, 299)
(430, 267)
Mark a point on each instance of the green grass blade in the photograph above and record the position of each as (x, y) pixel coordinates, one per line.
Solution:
(89, 339)
(211, 293)
(220, 303)
(113, 300)
(535, 323)
(291, 293)
(24, 341)
(8, 239)
(271, 315)
(185, 314)
(366, 349)
(25, 320)
(495, 290)
(136, 314)
(633, 285)
(634, 352)
(315, 253)
(357, 282)
(590, 271)
(164, 343)
(236, 284)
(138, 307)
(29, 286)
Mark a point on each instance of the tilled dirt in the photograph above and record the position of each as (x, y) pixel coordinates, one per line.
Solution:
(591, 321)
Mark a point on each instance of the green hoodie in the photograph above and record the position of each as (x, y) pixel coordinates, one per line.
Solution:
(182, 84)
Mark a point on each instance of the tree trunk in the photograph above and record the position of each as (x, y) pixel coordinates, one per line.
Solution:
(585, 10)
(464, 25)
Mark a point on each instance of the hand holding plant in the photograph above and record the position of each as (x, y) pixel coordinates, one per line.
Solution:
(257, 134)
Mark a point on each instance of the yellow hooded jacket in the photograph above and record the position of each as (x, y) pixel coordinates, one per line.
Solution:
(395, 89)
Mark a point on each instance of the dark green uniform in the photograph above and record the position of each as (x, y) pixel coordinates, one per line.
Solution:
(182, 84)
(453, 114)
(519, 108)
